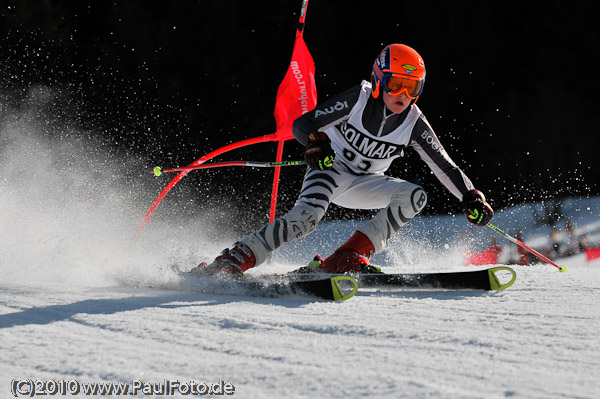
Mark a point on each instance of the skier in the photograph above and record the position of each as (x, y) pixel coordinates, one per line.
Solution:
(351, 140)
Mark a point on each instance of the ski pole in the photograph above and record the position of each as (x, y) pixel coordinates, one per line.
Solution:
(159, 171)
(562, 269)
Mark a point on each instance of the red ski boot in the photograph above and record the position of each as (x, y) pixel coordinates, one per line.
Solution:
(232, 263)
(353, 255)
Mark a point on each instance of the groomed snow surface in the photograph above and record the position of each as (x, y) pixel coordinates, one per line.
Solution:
(538, 339)
(80, 301)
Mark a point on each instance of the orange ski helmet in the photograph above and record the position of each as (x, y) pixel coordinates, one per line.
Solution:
(399, 68)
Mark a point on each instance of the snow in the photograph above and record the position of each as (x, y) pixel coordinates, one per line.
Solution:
(76, 302)
(538, 339)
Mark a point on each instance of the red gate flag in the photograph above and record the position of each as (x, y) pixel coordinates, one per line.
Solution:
(297, 93)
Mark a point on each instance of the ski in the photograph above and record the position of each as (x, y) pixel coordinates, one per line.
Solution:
(477, 280)
(486, 279)
(330, 288)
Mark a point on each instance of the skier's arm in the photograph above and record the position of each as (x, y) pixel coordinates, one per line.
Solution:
(429, 148)
(325, 114)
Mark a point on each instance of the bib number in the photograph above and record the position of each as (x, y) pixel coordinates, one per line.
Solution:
(361, 164)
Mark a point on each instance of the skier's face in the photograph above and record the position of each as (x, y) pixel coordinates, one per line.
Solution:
(396, 104)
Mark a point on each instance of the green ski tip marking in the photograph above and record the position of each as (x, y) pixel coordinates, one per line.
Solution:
(563, 269)
(157, 171)
(495, 283)
(338, 291)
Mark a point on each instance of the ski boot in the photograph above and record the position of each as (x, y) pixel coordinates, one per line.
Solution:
(359, 264)
(352, 256)
(232, 263)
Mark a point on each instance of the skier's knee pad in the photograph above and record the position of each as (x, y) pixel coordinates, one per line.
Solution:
(409, 200)
(302, 220)
(297, 223)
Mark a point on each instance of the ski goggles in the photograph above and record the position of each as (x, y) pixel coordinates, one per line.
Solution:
(394, 85)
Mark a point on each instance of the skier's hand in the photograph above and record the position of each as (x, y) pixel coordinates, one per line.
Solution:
(319, 155)
(478, 211)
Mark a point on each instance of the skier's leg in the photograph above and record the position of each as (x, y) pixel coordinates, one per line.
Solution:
(254, 249)
(404, 201)
(318, 189)
(297, 223)
(407, 201)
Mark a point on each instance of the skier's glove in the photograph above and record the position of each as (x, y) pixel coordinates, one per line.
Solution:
(319, 155)
(478, 211)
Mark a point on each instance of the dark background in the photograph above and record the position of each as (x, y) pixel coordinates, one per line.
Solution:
(512, 88)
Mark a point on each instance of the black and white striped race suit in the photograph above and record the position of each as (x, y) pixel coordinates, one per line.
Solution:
(366, 138)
